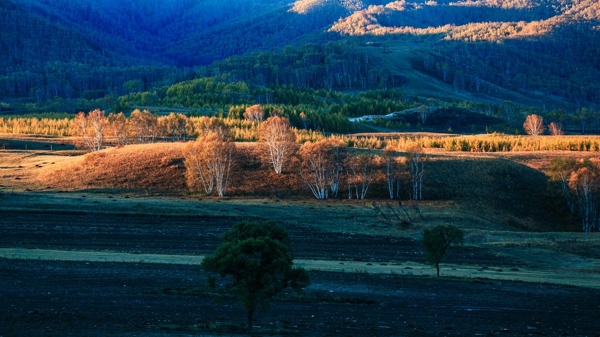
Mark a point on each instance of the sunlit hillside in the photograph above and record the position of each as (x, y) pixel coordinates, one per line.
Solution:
(68, 56)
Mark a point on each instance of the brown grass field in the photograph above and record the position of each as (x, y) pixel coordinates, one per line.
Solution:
(130, 206)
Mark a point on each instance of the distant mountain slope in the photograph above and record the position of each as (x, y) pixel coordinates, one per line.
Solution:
(540, 52)
(145, 29)
(546, 48)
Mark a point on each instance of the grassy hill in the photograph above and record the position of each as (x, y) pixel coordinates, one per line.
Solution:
(486, 193)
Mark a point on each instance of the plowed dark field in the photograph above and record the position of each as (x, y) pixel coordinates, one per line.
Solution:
(44, 298)
(176, 235)
(54, 298)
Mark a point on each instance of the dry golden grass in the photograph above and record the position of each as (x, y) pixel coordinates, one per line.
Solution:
(139, 167)
(475, 190)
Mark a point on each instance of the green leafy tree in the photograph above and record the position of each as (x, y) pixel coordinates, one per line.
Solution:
(437, 240)
(256, 262)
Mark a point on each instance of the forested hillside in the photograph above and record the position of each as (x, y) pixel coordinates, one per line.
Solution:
(548, 47)
(70, 55)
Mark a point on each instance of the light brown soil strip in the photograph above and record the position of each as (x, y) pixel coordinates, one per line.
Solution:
(579, 279)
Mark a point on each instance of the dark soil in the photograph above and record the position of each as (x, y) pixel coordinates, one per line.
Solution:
(195, 236)
(45, 298)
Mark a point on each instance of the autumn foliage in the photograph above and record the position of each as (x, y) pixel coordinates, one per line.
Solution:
(208, 163)
(278, 141)
(90, 129)
(534, 125)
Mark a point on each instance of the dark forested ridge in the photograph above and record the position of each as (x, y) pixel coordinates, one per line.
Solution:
(73, 54)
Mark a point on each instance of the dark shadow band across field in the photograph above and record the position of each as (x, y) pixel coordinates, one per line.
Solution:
(97, 298)
(198, 236)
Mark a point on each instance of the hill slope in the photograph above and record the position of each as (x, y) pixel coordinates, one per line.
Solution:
(486, 192)
(544, 53)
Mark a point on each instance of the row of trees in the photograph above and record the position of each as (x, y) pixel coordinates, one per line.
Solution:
(305, 107)
(255, 262)
(534, 125)
(324, 165)
(91, 130)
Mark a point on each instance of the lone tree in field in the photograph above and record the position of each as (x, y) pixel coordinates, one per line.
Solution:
(208, 162)
(534, 125)
(437, 240)
(277, 141)
(256, 263)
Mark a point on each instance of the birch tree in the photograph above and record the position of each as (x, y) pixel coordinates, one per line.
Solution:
(534, 125)
(359, 171)
(175, 126)
(416, 162)
(143, 126)
(90, 129)
(339, 155)
(117, 126)
(316, 167)
(391, 166)
(277, 141)
(509, 112)
(208, 163)
(585, 183)
(560, 170)
(424, 112)
(555, 129)
(255, 113)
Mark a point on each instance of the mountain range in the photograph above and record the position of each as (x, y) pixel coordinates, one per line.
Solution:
(544, 53)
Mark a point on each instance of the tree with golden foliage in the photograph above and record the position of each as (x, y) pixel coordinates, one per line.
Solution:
(208, 162)
(277, 141)
(118, 128)
(143, 126)
(560, 171)
(534, 125)
(316, 168)
(339, 155)
(359, 171)
(424, 112)
(255, 113)
(175, 126)
(304, 120)
(585, 184)
(205, 125)
(555, 129)
(90, 129)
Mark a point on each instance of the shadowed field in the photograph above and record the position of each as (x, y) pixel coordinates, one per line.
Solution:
(119, 230)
